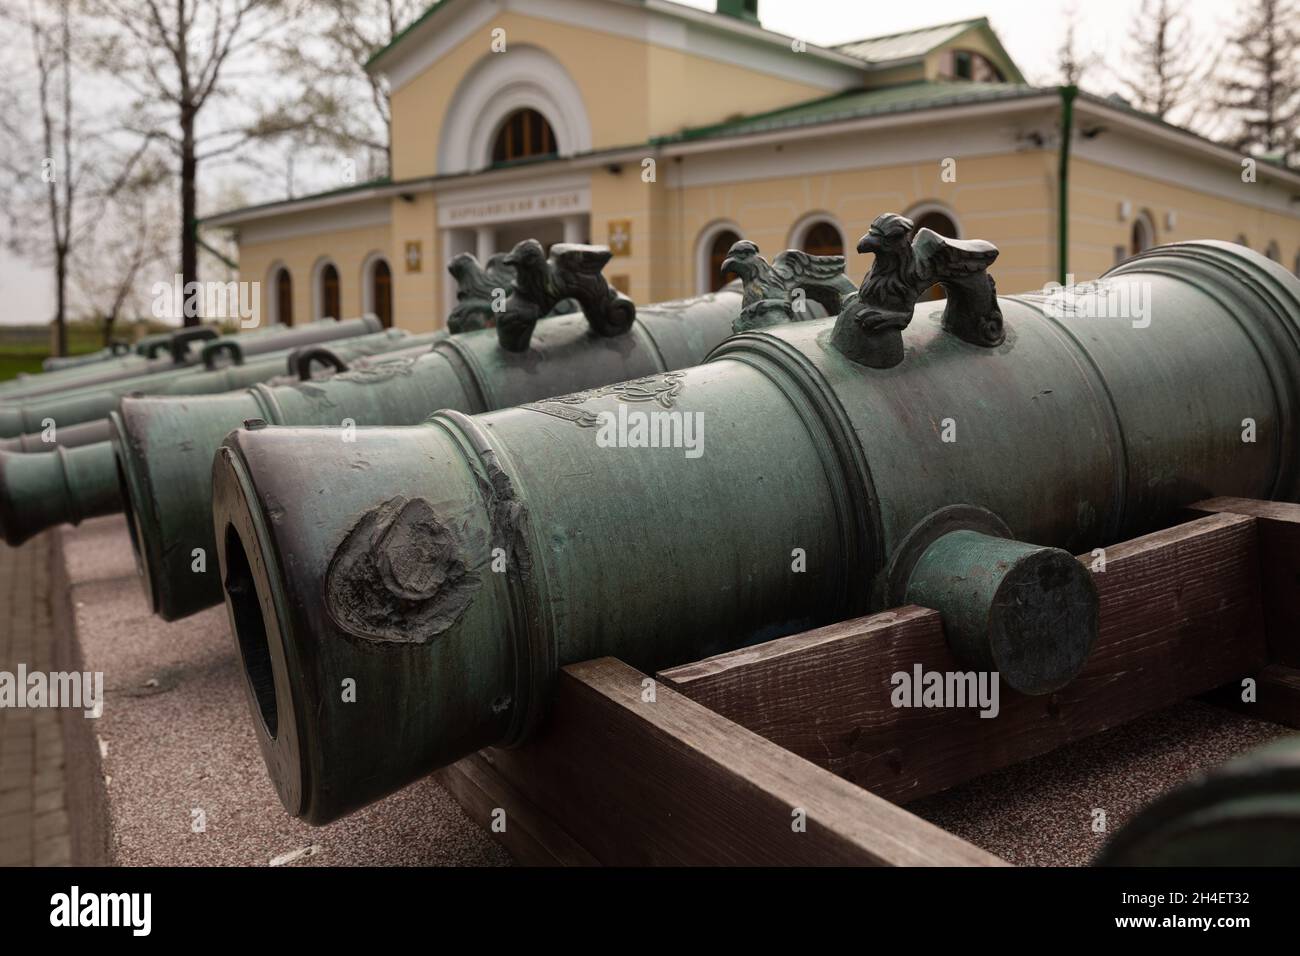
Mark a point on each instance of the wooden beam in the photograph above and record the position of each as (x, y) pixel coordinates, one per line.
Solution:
(529, 835)
(658, 779)
(1279, 558)
(1180, 614)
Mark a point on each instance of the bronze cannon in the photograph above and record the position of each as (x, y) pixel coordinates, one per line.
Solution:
(165, 446)
(805, 474)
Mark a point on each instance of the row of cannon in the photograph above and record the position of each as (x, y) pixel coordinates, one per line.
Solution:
(443, 521)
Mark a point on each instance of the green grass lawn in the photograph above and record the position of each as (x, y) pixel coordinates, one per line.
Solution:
(24, 347)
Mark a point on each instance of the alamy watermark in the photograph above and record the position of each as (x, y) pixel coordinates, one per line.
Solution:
(75, 908)
(945, 689)
(233, 301)
(79, 690)
(1095, 300)
(634, 428)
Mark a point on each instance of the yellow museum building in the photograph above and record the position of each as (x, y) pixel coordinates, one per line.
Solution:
(667, 132)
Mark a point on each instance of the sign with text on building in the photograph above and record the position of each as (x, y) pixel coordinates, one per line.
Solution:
(620, 237)
(414, 256)
(535, 204)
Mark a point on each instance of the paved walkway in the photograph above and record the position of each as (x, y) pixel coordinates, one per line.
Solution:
(33, 808)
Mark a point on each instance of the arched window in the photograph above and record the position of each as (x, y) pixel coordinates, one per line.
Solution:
(378, 285)
(1273, 251)
(1296, 270)
(327, 292)
(718, 249)
(524, 134)
(1142, 236)
(1241, 240)
(822, 238)
(282, 297)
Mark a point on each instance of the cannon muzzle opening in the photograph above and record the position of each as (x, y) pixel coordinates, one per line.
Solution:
(347, 710)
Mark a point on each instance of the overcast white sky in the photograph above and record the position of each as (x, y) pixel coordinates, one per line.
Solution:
(1030, 30)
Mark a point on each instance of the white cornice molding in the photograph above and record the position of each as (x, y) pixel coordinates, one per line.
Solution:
(310, 220)
(1144, 148)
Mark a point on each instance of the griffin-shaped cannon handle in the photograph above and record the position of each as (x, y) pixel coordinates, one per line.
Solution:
(572, 271)
(777, 294)
(479, 287)
(869, 330)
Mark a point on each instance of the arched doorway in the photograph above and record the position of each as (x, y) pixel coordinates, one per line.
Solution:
(524, 134)
(822, 238)
(381, 292)
(282, 297)
(936, 220)
(328, 293)
(720, 245)
(1143, 234)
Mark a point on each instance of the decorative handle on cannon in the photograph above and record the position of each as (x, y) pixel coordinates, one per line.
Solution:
(210, 353)
(571, 272)
(870, 327)
(300, 361)
(481, 291)
(180, 341)
(777, 294)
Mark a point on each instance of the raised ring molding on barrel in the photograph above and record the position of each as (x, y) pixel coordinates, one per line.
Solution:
(525, 77)
(703, 278)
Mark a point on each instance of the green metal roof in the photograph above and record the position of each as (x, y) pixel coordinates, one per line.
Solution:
(909, 44)
(401, 35)
(857, 104)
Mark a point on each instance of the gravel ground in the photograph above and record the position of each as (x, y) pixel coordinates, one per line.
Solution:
(1042, 812)
(179, 739)
(179, 746)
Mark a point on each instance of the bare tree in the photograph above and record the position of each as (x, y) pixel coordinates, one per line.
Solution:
(1261, 87)
(41, 168)
(1161, 74)
(337, 104)
(177, 61)
(131, 240)
(1073, 61)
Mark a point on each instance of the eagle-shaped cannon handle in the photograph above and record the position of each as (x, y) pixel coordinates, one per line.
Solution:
(777, 294)
(869, 330)
(479, 289)
(571, 272)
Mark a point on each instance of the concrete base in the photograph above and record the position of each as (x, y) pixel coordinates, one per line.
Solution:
(177, 751)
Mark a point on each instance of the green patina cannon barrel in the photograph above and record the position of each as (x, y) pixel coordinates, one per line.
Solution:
(165, 446)
(191, 348)
(115, 349)
(86, 403)
(1244, 813)
(87, 433)
(448, 569)
(74, 475)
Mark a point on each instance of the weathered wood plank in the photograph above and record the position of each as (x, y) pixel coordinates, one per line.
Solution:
(667, 781)
(531, 837)
(1279, 559)
(1180, 614)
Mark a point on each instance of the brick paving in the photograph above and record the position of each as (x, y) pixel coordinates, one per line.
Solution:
(34, 827)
